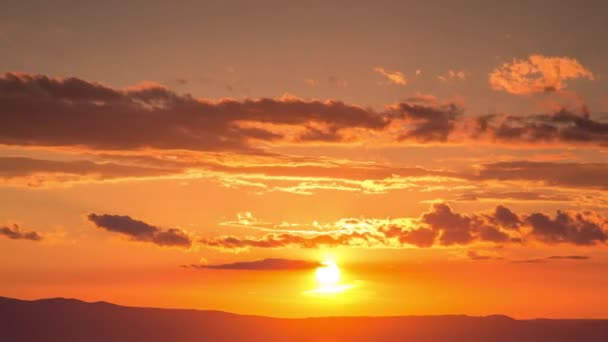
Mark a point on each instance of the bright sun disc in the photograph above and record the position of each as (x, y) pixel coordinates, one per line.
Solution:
(328, 274)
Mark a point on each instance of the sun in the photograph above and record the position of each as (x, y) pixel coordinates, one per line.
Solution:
(328, 274)
(328, 280)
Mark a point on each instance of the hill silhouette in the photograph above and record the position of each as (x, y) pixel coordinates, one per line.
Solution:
(60, 319)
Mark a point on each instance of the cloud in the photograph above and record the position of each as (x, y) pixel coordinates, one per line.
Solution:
(271, 264)
(422, 98)
(141, 231)
(474, 255)
(576, 228)
(287, 240)
(15, 233)
(563, 126)
(451, 75)
(40, 111)
(394, 77)
(419, 237)
(37, 110)
(439, 226)
(454, 228)
(311, 82)
(537, 74)
(529, 261)
(506, 218)
(572, 175)
(458, 229)
(569, 257)
(427, 123)
(307, 176)
(442, 226)
(513, 196)
(32, 172)
(553, 257)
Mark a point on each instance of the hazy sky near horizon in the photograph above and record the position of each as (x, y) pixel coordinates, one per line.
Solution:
(449, 157)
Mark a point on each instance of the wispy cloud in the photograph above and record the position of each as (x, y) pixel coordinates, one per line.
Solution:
(271, 264)
(452, 75)
(394, 77)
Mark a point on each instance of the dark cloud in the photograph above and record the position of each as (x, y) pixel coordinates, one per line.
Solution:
(553, 257)
(141, 231)
(576, 175)
(39, 110)
(454, 228)
(569, 257)
(529, 261)
(506, 218)
(420, 237)
(428, 123)
(271, 264)
(563, 126)
(15, 233)
(575, 228)
(489, 233)
(441, 225)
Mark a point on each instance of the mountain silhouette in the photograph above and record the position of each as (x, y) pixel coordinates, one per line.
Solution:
(66, 320)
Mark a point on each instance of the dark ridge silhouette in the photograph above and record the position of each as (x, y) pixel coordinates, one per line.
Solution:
(65, 320)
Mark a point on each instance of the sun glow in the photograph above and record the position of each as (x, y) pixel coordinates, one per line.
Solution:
(328, 274)
(328, 279)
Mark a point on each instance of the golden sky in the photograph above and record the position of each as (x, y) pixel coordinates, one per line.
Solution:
(304, 159)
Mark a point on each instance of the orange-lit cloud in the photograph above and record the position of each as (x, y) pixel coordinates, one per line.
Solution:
(423, 98)
(39, 172)
(291, 240)
(394, 77)
(440, 226)
(451, 75)
(537, 74)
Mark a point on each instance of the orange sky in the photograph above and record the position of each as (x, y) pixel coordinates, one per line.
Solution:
(448, 158)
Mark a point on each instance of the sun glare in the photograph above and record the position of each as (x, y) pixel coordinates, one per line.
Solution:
(328, 280)
(328, 274)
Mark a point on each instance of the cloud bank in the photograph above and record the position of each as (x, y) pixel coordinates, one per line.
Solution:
(41, 111)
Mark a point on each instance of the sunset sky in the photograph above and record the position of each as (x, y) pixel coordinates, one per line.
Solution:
(445, 157)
